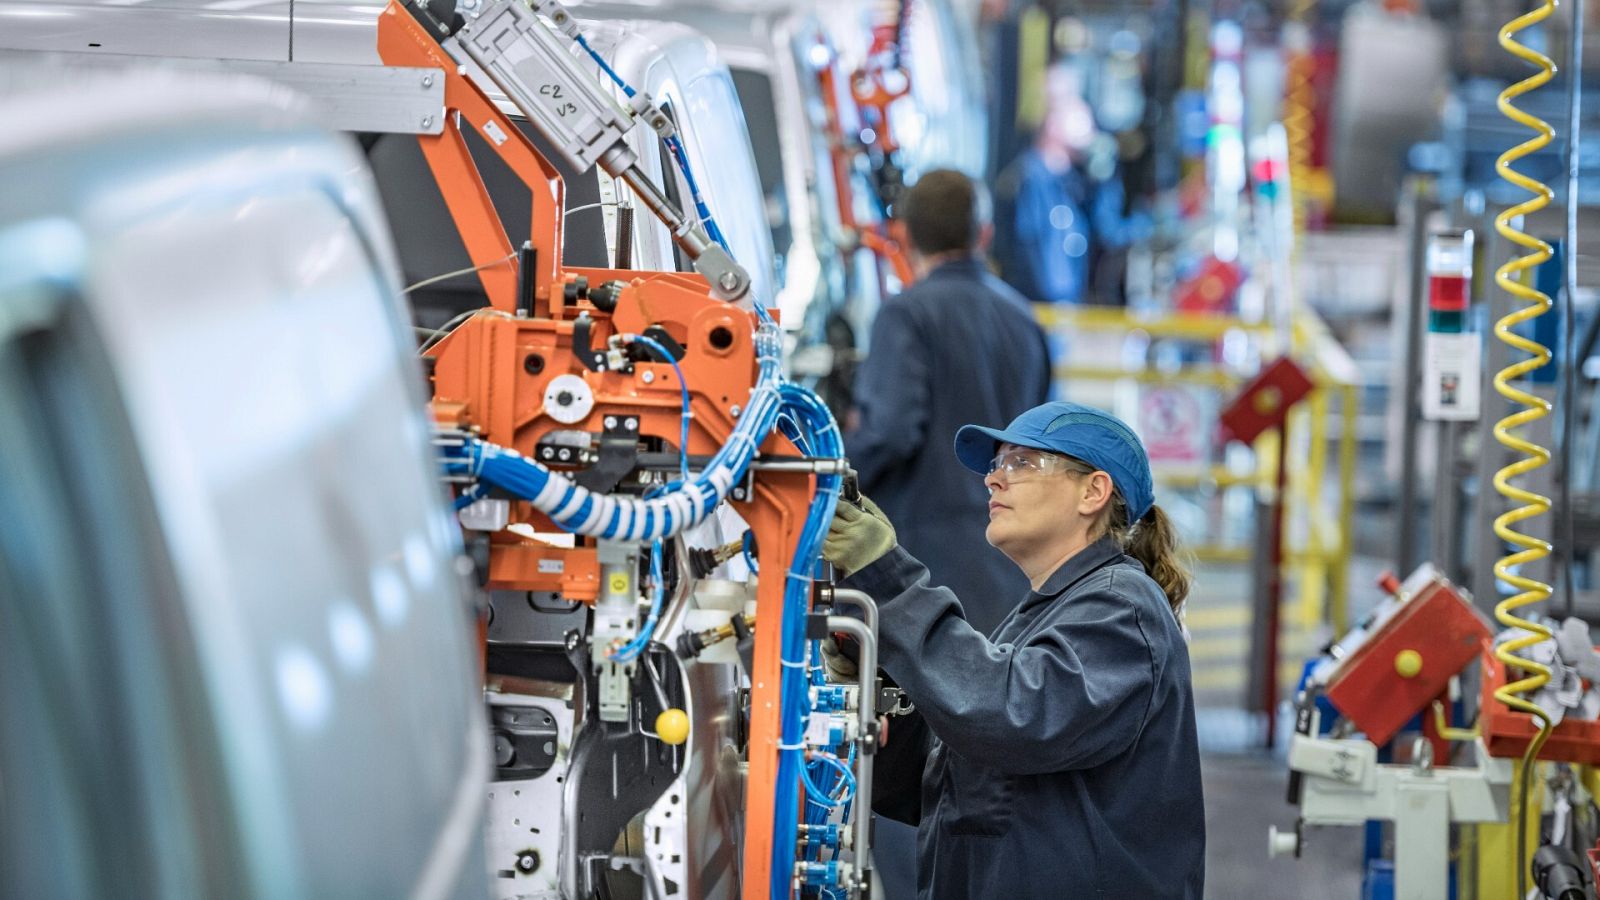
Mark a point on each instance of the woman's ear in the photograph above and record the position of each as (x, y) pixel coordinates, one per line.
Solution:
(1096, 493)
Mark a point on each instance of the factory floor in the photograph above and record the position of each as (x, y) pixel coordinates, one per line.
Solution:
(1244, 784)
(1244, 795)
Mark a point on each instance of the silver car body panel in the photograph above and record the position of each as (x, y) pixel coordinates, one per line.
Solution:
(231, 266)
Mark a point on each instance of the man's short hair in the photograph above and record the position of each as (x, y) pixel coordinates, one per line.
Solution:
(944, 211)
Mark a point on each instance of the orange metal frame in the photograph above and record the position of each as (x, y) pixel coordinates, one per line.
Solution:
(402, 42)
(490, 376)
(870, 84)
(843, 153)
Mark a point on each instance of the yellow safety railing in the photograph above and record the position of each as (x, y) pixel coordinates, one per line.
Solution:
(1316, 555)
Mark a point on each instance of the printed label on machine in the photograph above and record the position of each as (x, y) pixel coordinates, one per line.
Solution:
(818, 728)
(1450, 376)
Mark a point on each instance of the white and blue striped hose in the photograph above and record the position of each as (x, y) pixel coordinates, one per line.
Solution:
(613, 517)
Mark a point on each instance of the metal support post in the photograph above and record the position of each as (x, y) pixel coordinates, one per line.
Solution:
(1493, 304)
(1274, 592)
(1421, 203)
(1446, 521)
(1421, 838)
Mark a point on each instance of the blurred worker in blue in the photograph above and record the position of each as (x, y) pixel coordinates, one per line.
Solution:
(1056, 757)
(955, 347)
(1059, 207)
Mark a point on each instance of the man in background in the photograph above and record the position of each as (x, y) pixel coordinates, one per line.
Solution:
(958, 343)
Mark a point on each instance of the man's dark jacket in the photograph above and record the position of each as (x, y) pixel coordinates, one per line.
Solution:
(958, 347)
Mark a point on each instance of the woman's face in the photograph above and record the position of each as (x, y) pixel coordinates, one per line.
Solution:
(1039, 499)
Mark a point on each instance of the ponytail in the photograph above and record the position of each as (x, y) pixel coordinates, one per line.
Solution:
(1154, 542)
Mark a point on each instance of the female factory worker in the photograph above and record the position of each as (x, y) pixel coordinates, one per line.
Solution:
(1057, 757)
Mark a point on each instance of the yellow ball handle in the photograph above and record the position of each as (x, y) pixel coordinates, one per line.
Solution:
(1408, 663)
(672, 726)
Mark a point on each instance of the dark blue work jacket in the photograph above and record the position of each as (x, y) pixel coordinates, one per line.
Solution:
(957, 347)
(1057, 760)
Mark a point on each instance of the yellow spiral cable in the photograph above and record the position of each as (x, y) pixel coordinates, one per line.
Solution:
(1534, 407)
(1299, 99)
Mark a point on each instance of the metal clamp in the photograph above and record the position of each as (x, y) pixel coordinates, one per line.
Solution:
(583, 348)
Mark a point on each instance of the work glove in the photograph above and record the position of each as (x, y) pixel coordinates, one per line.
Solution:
(840, 667)
(858, 536)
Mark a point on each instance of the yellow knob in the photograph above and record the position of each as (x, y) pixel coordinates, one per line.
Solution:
(672, 726)
(1408, 663)
(1267, 400)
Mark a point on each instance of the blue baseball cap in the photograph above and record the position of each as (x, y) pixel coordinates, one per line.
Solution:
(1096, 437)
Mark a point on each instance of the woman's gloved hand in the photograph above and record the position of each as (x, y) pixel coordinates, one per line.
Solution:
(840, 667)
(858, 536)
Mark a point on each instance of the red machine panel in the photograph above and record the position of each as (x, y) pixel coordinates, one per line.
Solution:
(1408, 660)
(1210, 290)
(1265, 401)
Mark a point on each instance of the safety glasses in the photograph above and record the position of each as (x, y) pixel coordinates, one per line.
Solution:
(1023, 463)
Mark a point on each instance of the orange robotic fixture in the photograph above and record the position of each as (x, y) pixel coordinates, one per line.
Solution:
(883, 78)
(523, 383)
(844, 150)
(540, 371)
(499, 375)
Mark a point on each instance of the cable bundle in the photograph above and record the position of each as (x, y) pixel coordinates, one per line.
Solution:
(685, 503)
(808, 423)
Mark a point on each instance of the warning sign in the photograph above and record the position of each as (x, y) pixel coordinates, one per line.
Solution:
(1172, 422)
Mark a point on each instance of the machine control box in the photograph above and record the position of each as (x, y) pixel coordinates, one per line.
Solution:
(1408, 660)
